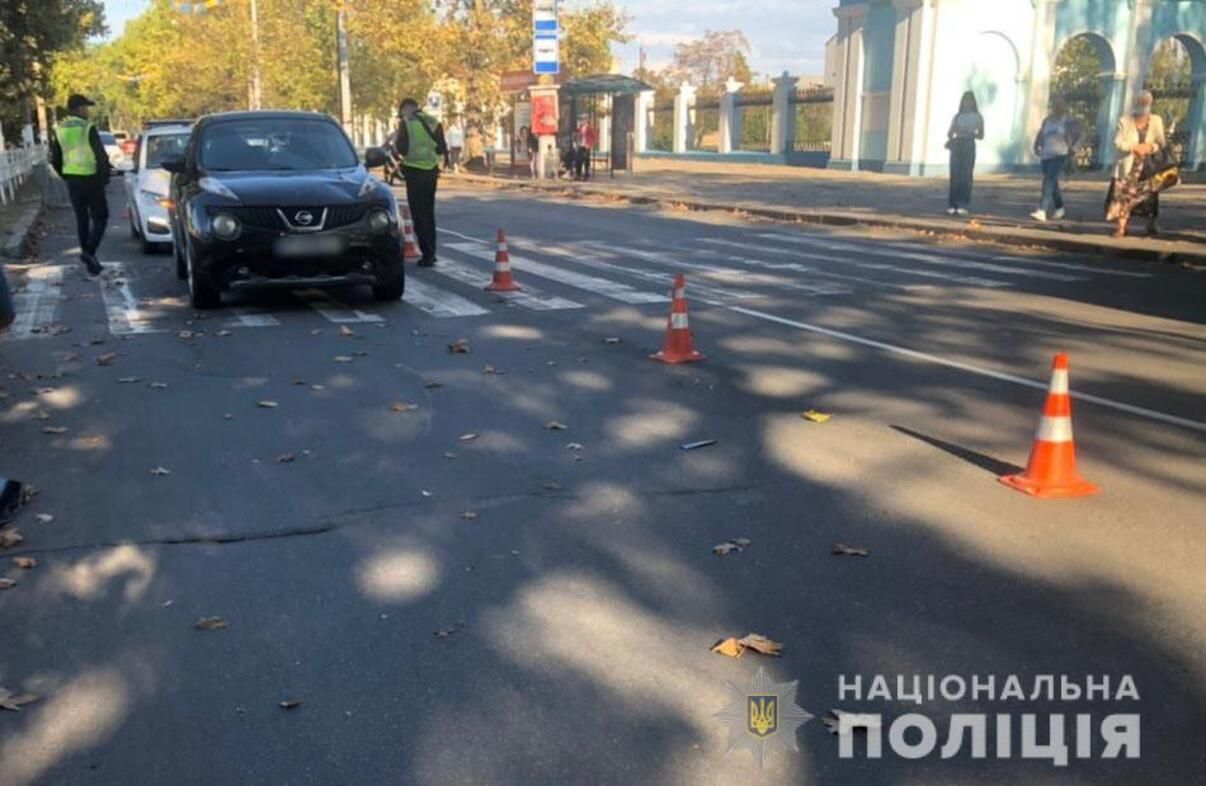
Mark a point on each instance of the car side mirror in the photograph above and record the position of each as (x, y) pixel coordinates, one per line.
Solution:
(374, 157)
(173, 164)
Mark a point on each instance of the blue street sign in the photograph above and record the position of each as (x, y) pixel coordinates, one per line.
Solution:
(546, 25)
(546, 53)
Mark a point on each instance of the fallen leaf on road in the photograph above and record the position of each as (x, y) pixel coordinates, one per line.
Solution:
(286, 458)
(318, 388)
(703, 443)
(459, 347)
(7, 584)
(266, 404)
(106, 359)
(444, 633)
(25, 563)
(185, 334)
(573, 446)
(128, 380)
(223, 333)
(553, 425)
(814, 416)
(433, 384)
(290, 704)
(735, 648)
(552, 486)
(228, 416)
(472, 435)
(743, 542)
(842, 550)
(54, 430)
(44, 518)
(492, 371)
(402, 406)
(729, 546)
(612, 340)
(210, 623)
(161, 472)
(469, 515)
(449, 455)
(158, 386)
(425, 493)
(14, 703)
(316, 332)
(346, 331)
(343, 358)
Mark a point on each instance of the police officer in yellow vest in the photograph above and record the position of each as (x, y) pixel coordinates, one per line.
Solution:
(77, 154)
(420, 143)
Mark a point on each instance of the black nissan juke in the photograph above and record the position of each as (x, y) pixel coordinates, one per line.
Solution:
(280, 199)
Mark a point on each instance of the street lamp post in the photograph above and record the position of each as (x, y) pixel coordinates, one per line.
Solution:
(255, 62)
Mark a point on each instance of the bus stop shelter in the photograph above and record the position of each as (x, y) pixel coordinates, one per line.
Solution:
(608, 102)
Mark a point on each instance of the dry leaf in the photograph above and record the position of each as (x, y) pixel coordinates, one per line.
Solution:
(158, 386)
(210, 623)
(735, 648)
(728, 547)
(449, 455)
(472, 435)
(44, 518)
(343, 358)
(402, 406)
(25, 563)
(286, 458)
(612, 340)
(316, 332)
(573, 446)
(553, 425)
(128, 380)
(814, 416)
(444, 633)
(469, 515)
(161, 472)
(10, 538)
(106, 359)
(14, 703)
(228, 416)
(7, 584)
(54, 430)
(290, 704)
(344, 330)
(842, 550)
(431, 384)
(459, 347)
(743, 542)
(266, 404)
(185, 334)
(223, 333)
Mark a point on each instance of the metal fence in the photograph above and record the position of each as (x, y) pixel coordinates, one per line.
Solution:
(16, 166)
(814, 118)
(706, 125)
(1172, 103)
(757, 109)
(1084, 105)
(661, 125)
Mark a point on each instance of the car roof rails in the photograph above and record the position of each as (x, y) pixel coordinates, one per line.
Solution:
(158, 123)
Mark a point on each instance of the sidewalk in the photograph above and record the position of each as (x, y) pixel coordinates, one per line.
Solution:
(1002, 204)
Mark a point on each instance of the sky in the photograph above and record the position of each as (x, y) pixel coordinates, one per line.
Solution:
(784, 35)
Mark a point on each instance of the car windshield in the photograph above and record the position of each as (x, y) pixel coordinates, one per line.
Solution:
(162, 146)
(275, 144)
(107, 138)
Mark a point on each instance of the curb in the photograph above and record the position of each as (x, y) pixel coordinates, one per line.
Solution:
(1082, 244)
(16, 239)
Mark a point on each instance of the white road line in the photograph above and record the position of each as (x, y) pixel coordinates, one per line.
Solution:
(438, 303)
(252, 319)
(37, 304)
(530, 297)
(332, 309)
(122, 309)
(796, 267)
(702, 292)
(599, 286)
(725, 273)
(984, 372)
(931, 259)
(952, 278)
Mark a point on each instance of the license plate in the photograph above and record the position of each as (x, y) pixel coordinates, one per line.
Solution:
(324, 246)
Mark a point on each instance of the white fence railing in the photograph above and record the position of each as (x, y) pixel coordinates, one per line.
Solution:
(15, 166)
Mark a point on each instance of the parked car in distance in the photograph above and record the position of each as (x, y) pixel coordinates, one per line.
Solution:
(280, 199)
(148, 184)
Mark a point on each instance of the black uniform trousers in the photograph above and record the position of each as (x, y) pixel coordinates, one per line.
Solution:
(87, 193)
(420, 195)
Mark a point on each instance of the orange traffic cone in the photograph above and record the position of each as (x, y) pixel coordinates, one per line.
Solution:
(503, 282)
(1051, 471)
(410, 250)
(679, 346)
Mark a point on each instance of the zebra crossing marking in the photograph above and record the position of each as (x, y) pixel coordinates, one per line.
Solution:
(37, 304)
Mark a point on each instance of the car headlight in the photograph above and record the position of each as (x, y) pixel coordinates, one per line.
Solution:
(225, 226)
(156, 199)
(379, 222)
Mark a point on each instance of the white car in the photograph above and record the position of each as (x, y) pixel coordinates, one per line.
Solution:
(113, 149)
(147, 186)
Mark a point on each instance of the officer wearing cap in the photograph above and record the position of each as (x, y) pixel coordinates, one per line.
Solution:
(78, 155)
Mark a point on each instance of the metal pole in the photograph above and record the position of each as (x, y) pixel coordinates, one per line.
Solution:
(256, 102)
(345, 79)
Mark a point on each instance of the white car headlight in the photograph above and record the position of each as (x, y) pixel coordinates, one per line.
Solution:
(379, 222)
(215, 186)
(225, 226)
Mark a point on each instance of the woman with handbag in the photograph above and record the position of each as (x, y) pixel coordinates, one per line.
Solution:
(966, 128)
(1141, 146)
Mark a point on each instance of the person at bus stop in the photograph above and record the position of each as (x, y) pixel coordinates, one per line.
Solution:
(456, 144)
(966, 128)
(78, 156)
(587, 138)
(1054, 145)
(421, 144)
(1141, 146)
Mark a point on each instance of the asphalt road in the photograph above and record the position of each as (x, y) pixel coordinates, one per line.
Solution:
(536, 605)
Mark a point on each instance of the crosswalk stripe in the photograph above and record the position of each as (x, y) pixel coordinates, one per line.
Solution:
(845, 260)
(723, 272)
(37, 304)
(931, 259)
(959, 253)
(702, 292)
(796, 267)
(530, 297)
(437, 302)
(332, 309)
(251, 319)
(122, 309)
(599, 286)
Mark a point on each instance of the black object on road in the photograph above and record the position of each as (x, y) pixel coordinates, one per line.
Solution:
(11, 496)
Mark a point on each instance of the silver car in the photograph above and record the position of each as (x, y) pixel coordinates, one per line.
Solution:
(148, 184)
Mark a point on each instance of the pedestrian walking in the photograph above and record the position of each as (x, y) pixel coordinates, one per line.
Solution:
(531, 146)
(1054, 145)
(421, 144)
(587, 138)
(966, 127)
(79, 157)
(456, 144)
(1141, 146)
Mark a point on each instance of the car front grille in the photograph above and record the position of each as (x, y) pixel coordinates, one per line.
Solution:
(268, 218)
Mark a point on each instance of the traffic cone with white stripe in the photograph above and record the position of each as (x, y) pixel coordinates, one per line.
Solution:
(679, 346)
(503, 281)
(410, 249)
(1051, 471)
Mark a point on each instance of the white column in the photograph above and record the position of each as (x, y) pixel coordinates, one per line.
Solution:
(1113, 104)
(730, 117)
(1139, 48)
(848, 93)
(905, 61)
(783, 115)
(1042, 58)
(1195, 145)
(684, 103)
(641, 126)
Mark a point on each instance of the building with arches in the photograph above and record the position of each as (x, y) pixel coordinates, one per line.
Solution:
(899, 67)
